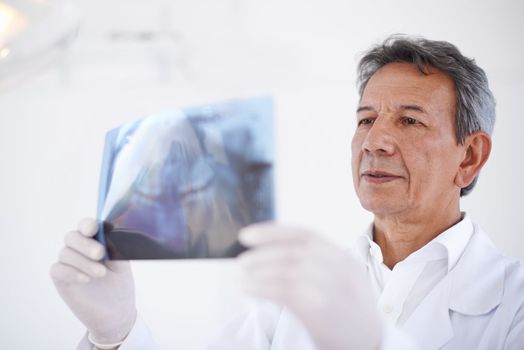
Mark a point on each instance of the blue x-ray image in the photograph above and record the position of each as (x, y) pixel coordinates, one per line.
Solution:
(181, 184)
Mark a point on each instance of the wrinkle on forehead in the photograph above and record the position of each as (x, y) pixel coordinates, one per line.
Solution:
(398, 84)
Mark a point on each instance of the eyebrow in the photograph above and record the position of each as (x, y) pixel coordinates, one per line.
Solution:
(415, 108)
(401, 107)
(364, 108)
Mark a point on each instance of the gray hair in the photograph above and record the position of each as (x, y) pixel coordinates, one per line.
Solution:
(475, 103)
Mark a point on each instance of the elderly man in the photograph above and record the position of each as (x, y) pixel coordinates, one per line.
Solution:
(424, 121)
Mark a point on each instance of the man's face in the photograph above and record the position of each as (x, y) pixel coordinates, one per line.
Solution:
(405, 154)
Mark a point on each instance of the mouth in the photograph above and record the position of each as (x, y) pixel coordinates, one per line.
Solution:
(378, 176)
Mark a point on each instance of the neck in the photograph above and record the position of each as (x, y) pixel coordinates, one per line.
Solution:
(400, 234)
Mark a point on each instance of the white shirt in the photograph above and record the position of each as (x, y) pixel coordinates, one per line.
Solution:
(456, 292)
(400, 290)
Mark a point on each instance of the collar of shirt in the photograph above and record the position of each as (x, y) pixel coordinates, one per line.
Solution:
(449, 244)
(400, 291)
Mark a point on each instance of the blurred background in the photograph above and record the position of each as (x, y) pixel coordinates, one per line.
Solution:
(72, 70)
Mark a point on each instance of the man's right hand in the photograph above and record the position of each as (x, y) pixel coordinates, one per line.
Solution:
(102, 296)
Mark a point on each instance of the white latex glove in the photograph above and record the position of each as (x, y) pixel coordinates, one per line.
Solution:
(323, 285)
(102, 296)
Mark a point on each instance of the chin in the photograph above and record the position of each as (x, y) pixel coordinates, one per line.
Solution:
(380, 205)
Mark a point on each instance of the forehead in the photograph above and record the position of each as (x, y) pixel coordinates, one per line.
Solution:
(403, 83)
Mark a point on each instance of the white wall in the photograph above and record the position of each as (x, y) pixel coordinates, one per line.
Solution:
(304, 53)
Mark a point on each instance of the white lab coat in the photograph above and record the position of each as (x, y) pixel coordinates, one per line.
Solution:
(479, 305)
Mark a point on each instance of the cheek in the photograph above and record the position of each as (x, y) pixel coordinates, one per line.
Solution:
(355, 157)
(430, 166)
(356, 147)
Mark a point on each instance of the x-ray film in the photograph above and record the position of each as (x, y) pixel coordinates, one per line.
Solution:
(182, 184)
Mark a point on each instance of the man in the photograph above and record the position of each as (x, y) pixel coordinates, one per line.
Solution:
(423, 134)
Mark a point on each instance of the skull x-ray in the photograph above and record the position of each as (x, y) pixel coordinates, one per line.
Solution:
(182, 184)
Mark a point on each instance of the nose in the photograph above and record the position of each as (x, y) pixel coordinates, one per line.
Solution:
(379, 140)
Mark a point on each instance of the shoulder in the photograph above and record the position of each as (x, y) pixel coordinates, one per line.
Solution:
(514, 278)
(480, 241)
(484, 277)
(511, 268)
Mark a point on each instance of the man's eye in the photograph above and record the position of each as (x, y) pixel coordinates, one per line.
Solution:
(365, 121)
(410, 121)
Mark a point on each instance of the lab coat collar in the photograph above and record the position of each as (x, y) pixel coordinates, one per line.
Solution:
(473, 287)
(363, 244)
(477, 280)
(455, 239)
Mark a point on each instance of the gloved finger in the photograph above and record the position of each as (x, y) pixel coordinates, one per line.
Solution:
(88, 227)
(61, 273)
(298, 253)
(89, 267)
(309, 264)
(298, 279)
(282, 267)
(282, 256)
(268, 232)
(288, 289)
(84, 245)
(119, 266)
(268, 277)
(268, 235)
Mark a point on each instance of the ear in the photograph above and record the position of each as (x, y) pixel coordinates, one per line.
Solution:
(477, 148)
